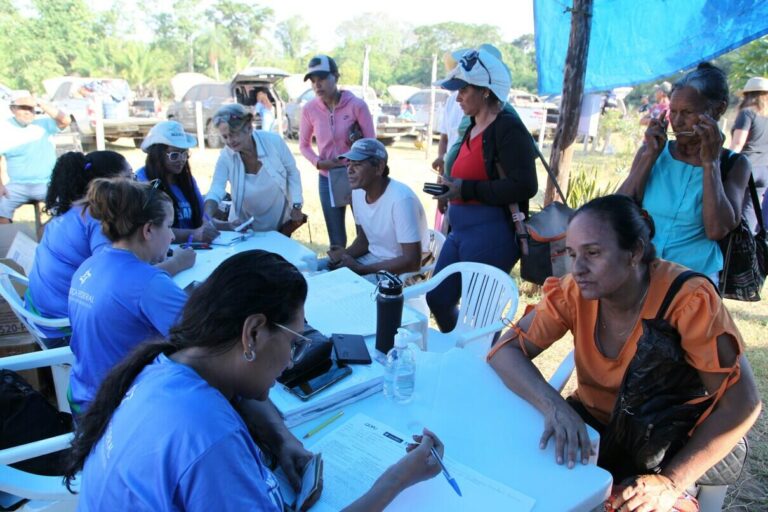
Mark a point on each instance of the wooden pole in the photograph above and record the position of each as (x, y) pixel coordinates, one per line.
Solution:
(573, 91)
(431, 122)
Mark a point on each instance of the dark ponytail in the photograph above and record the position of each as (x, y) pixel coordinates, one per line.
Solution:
(91, 426)
(631, 224)
(72, 174)
(248, 283)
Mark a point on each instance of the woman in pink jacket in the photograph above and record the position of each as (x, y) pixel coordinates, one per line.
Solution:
(336, 119)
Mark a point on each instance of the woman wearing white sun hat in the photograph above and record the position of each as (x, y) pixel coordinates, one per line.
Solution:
(750, 137)
(478, 193)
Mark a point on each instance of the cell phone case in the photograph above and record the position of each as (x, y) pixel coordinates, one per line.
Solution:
(435, 189)
(350, 349)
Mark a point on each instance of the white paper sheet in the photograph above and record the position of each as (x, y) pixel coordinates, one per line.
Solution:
(358, 452)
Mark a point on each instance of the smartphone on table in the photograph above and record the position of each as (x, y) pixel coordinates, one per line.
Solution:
(318, 382)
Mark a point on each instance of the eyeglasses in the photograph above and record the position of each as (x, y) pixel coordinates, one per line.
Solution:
(23, 107)
(175, 156)
(154, 184)
(469, 60)
(299, 344)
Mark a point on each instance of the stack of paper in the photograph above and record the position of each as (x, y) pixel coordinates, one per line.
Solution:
(365, 380)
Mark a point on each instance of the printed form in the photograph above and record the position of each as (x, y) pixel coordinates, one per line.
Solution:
(358, 452)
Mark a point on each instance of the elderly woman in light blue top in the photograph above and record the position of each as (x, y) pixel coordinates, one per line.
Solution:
(262, 173)
(691, 186)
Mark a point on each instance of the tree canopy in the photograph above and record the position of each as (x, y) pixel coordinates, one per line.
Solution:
(150, 43)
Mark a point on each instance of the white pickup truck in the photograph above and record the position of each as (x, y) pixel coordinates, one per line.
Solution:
(79, 97)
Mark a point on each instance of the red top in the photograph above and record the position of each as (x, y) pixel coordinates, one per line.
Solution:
(469, 164)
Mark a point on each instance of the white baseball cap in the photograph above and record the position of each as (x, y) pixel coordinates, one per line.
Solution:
(170, 133)
(482, 69)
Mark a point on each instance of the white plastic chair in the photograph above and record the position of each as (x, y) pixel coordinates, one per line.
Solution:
(436, 242)
(488, 299)
(49, 489)
(32, 322)
(559, 379)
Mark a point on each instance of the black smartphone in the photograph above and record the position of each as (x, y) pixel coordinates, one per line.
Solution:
(350, 349)
(196, 245)
(435, 189)
(309, 388)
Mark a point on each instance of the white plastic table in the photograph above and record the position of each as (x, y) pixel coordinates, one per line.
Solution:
(207, 260)
(484, 426)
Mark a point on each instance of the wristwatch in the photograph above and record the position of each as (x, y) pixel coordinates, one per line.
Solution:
(297, 206)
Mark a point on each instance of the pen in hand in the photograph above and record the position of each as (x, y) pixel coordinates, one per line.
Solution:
(448, 476)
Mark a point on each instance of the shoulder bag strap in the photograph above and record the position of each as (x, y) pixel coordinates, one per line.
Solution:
(678, 282)
(756, 202)
(727, 158)
(514, 209)
(549, 171)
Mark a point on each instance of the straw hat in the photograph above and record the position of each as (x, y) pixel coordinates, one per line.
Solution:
(756, 84)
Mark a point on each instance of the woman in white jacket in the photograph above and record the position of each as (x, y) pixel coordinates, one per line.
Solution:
(262, 173)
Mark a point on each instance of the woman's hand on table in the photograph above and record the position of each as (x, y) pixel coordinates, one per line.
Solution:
(570, 433)
(205, 233)
(711, 138)
(182, 259)
(419, 464)
(647, 493)
(454, 188)
(222, 225)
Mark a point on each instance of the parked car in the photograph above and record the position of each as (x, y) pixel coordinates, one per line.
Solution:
(388, 127)
(421, 100)
(534, 112)
(242, 89)
(79, 97)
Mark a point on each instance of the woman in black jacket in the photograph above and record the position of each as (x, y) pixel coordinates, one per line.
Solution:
(495, 167)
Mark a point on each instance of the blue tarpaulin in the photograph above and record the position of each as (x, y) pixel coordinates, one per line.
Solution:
(636, 41)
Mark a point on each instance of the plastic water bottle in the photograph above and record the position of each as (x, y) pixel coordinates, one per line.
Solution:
(400, 372)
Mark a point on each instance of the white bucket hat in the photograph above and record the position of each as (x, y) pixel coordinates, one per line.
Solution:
(480, 68)
(170, 133)
(756, 84)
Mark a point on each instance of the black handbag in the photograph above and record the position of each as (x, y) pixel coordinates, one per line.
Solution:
(745, 255)
(317, 358)
(660, 400)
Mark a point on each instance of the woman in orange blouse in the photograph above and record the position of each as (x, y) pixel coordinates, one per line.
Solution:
(616, 281)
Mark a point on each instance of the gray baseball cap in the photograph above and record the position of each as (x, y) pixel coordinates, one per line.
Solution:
(364, 149)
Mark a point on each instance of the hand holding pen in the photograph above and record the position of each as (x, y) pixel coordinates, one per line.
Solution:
(424, 460)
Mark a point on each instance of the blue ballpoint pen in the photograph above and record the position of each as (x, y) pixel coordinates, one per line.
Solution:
(448, 476)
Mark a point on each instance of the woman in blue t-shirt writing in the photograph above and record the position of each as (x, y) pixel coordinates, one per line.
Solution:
(693, 191)
(118, 298)
(167, 429)
(167, 148)
(73, 235)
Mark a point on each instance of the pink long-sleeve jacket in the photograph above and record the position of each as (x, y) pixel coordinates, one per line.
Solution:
(331, 127)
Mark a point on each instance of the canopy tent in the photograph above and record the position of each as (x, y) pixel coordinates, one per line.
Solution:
(633, 42)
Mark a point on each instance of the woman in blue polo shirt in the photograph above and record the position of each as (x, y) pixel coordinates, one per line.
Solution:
(168, 427)
(71, 236)
(118, 298)
(167, 147)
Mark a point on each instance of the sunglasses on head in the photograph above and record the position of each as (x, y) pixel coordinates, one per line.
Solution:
(228, 117)
(175, 156)
(469, 60)
(23, 107)
(154, 185)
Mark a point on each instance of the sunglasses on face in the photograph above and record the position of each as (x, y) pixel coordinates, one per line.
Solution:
(299, 344)
(469, 60)
(154, 185)
(175, 156)
(23, 107)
